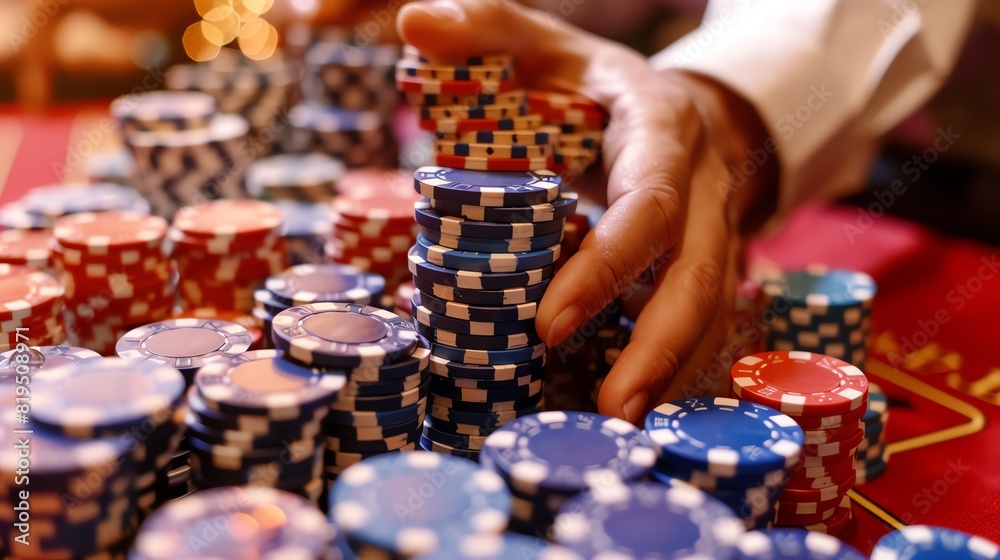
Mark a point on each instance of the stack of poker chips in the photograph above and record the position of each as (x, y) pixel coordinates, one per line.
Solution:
(737, 451)
(42, 206)
(27, 247)
(580, 122)
(310, 283)
(358, 138)
(822, 311)
(258, 90)
(295, 177)
(183, 148)
(115, 275)
(256, 419)
(794, 544)
(927, 541)
(307, 231)
(480, 267)
(373, 223)
(828, 398)
(871, 459)
(224, 250)
(31, 303)
(130, 402)
(236, 523)
(381, 408)
(460, 500)
(647, 520)
(352, 77)
(550, 457)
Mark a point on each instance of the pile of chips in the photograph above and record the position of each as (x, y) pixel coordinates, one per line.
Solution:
(482, 263)
(352, 77)
(381, 408)
(550, 457)
(224, 250)
(307, 231)
(256, 419)
(647, 520)
(871, 459)
(251, 522)
(358, 138)
(115, 275)
(373, 223)
(821, 311)
(828, 398)
(184, 149)
(31, 303)
(27, 247)
(42, 206)
(311, 283)
(925, 541)
(737, 451)
(447, 498)
(258, 90)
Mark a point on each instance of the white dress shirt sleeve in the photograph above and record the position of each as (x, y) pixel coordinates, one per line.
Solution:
(828, 77)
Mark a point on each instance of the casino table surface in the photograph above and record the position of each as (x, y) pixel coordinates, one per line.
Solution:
(932, 348)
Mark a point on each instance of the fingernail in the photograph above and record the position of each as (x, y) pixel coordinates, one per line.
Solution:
(565, 324)
(635, 406)
(442, 9)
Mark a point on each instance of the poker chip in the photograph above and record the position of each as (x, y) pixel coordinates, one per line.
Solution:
(309, 177)
(486, 189)
(54, 201)
(647, 520)
(495, 164)
(466, 312)
(460, 227)
(466, 280)
(476, 342)
(507, 546)
(485, 262)
(27, 293)
(725, 437)
(366, 418)
(450, 368)
(411, 53)
(381, 403)
(494, 111)
(516, 98)
(428, 318)
(163, 110)
(412, 84)
(98, 398)
(30, 248)
(98, 233)
(557, 209)
(837, 523)
(794, 544)
(480, 72)
(801, 383)
(361, 498)
(926, 541)
(185, 344)
(306, 284)
(512, 296)
(343, 335)
(229, 220)
(541, 136)
(458, 124)
(488, 357)
(485, 245)
(43, 358)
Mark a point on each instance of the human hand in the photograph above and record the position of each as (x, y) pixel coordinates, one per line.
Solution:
(667, 152)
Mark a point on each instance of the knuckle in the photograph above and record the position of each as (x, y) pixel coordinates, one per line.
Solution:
(705, 285)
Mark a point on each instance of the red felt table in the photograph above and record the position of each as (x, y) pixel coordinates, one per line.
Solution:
(932, 350)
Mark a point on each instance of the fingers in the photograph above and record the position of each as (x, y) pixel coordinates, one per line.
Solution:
(647, 188)
(683, 306)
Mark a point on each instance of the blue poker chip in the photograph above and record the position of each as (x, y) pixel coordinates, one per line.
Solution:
(480, 313)
(58, 200)
(485, 262)
(436, 447)
(511, 296)
(724, 437)
(441, 401)
(348, 403)
(384, 445)
(647, 520)
(498, 372)
(324, 118)
(488, 384)
(485, 396)
(425, 317)
(794, 544)
(556, 210)
(878, 404)
(506, 546)
(487, 419)
(262, 383)
(499, 342)
(362, 502)
(707, 482)
(186, 343)
(41, 358)
(250, 424)
(381, 388)
(98, 398)
(445, 224)
(921, 542)
(373, 433)
(488, 357)
(343, 335)
(457, 428)
(458, 441)
(567, 451)
(311, 283)
(305, 219)
(264, 302)
(493, 189)
(820, 288)
(484, 245)
(403, 369)
(363, 418)
(468, 280)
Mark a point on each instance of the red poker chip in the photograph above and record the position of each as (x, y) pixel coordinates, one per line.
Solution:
(25, 292)
(26, 247)
(452, 87)
(832, 434)
(831, 421)
(229, 220)
(525, 122)
(177, 242)
(377, 228)
(397, 243)
(836, 470)
(580, 117)
(494, 164)
(807, 508)
(798, 520)
(837, 489)
(376, 255)
(555, 100)
(106, 233)
(836, 524)
(800, 383)
(840, 448)
(69, 257)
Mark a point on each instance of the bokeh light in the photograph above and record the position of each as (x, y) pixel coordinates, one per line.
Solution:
(226, 20)
(197, 46)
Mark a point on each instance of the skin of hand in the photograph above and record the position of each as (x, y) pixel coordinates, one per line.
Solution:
(668, 149)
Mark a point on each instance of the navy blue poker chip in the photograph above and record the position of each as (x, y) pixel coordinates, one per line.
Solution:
(381, 388)
(477, 395)
(310, 283)
(437, 447)
(510, 296)
(372, 433)
(925, 541)
(487, 419)
(470, 280)
(450, 368)
(506, 546)
(485, 262)
(488, 357)
(425, 317)
(474, 342)
(184, 343)
(459, 441)
(460, 383)
(434, 220)
(485, 245)
(441, 401)
(383, 418)
(794, 544)
(487, 188)
(481, 313)
(382, 403)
